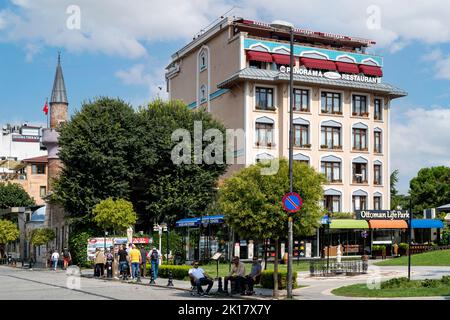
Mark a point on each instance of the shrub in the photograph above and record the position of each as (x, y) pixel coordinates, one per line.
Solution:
(178, 272)
(78, 248)
(379, 248)
(267, 279)
(446, 280)
(396, 283)
(403, 246)
(430, 283)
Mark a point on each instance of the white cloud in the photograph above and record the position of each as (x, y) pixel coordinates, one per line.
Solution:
(112, 27)
(419, 138)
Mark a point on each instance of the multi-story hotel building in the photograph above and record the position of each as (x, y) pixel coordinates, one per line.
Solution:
(238, 71)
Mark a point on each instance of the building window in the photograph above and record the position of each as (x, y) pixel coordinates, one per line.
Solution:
(332, 203)
(264, 134)
(359, 173)
(331, 103)
(264, 98)
(360, 139)
(376, 203)
(203, 61)
(257, 64)
(331, 138)
(332, 171)
(42, 191)
(38, 168)
(377, 142)
(377, 174)
(359, 203)
(203, 93)
(301, 136)
(301, 100)
(360, 106)
(378, 110)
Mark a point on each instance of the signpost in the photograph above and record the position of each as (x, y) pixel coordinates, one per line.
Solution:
(291, 203)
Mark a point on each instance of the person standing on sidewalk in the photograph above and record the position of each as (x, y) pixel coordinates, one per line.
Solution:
(99, 263)
(135, 257)
(154, 260)
(143, 265)
(123, 262)
(55, 259)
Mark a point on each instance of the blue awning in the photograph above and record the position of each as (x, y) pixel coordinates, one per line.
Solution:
(212, 219)
(187, 222)
(195, 222)
(426, 224)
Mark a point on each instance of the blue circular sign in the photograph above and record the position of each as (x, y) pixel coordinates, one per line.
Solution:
(292, 202)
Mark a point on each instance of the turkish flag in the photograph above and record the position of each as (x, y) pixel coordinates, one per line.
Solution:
(45, 108)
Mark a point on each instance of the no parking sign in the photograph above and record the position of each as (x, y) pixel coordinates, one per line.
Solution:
(292, 202)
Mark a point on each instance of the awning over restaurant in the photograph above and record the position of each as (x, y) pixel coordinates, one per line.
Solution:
(281, 59)
(426, 224)
(195, 222)
(345, 67)
(259, 56)
(388, 224)
(311, 63)
(371, 70)
(349, 224)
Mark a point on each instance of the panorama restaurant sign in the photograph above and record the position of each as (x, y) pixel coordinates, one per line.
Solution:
(382, 215)
(331, 75)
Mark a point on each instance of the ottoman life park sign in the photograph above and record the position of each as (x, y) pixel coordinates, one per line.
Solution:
(382, 215)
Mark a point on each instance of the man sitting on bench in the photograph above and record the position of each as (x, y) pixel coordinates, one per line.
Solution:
(254, 276)
(237, 275)
(199, 277)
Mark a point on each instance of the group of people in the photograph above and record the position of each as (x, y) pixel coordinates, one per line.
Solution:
(131, 262)
(55, 257)
(243, 284)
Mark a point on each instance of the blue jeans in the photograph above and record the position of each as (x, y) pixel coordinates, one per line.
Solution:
(135, 269)
(155, 266)
(55, 264)
(123, 268)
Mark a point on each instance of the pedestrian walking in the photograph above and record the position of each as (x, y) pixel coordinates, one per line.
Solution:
(67, 257)
(154, 257)
(55, 259)
(99, 263)
(143, 265)
(135, 257)
(123, 262)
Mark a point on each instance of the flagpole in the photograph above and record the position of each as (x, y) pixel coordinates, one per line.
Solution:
(46, 103)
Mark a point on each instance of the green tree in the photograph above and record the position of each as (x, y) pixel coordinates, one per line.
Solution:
(98, 151)
(14, 195)
(8, 231)
(251, 202)
(397, 200)
(114, 215)
(168, 191)
(42, 236)
(430, 188)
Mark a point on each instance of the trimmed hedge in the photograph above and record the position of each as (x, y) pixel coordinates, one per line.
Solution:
(267, 279)
(178, 272)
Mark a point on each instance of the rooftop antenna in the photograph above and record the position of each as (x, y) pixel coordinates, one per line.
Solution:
(214, 21)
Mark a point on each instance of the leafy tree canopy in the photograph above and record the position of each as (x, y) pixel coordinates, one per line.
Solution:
(14, 195)
(110, 150)
(430, 188)
(115, 215)
(8, 231)
(251, 202)
(42, 236)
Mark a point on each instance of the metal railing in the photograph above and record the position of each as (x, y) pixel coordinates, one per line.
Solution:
(325, 268)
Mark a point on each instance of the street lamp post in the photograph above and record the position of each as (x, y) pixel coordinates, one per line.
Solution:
(286, 26)
(409, 238)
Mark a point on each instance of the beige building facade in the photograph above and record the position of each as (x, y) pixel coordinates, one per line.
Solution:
(239, 71)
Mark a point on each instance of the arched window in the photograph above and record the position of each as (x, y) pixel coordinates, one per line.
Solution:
(203, 63)
(203, 93)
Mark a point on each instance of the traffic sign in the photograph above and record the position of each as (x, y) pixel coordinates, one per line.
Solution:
(292, 202)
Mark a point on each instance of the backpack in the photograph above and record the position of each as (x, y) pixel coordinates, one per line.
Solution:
(154, 255)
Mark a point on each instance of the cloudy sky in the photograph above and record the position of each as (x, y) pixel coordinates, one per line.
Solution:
(120, 49)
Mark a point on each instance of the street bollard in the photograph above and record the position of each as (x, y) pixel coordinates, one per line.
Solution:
(152, 277)
(170, 283)
(220, 290)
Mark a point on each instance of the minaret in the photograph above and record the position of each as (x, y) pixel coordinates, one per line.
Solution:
(58, 115)
(55, 217)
